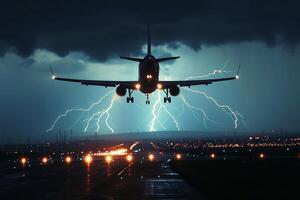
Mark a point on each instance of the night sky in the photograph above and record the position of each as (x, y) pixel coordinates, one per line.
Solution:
(84, 39)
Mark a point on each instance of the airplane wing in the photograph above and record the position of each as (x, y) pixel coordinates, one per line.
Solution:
(188, 83)
(127, 84)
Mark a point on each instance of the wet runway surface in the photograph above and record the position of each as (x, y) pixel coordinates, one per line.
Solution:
(140, 179)
(149, 181)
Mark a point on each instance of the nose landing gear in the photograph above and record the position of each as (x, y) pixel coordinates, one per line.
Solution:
(147, 101)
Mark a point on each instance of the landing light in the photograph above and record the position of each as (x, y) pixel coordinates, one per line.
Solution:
(23, 161)
(88, 159)
(45, 160)
(53, 77)
(261, 156)
(212, 155)
(159, 86)
(237, 77)
(68, 159)
(178, 156)
(108, 159)
(137, 86)
(151, 157)
(129, 158)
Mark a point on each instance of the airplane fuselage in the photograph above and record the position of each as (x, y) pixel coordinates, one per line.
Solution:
(148, 74)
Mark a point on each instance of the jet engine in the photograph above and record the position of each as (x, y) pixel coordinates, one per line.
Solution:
(174, 91)
(121, 90)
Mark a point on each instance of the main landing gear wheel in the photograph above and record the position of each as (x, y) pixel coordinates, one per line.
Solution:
(167, 99)
(130, 98)
(147, 102)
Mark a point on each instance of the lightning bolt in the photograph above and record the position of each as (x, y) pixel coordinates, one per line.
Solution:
(67, 112)
(156, 112)
(213, 73)
(195, 110)
(99, 115)
(223, 107)
(157, 107)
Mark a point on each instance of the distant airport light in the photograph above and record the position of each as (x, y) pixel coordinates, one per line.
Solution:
(88, 159)
(44, 160)
(23, 161)
(178, 156)
(237, 77)
(68, 159)
(151, 157)
(261, 156)
(159, 86)
(129, 158)
(108, 159)
(213, 156)
(137, 86)
(53, 77)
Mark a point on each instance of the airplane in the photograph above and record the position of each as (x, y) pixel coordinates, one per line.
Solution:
(148, 78)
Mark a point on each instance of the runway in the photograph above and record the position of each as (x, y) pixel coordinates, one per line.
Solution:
(119, 179)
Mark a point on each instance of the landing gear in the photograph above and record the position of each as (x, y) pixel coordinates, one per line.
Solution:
(130, 98)
(147, 101)
(167, 98)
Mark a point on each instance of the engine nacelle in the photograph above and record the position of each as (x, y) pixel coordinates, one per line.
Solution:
(174, 91)
(121, 90)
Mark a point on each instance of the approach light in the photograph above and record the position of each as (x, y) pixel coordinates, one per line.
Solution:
(68, 159)
(212, 155)
(151, 157)
(129, 158)
(23, 161)
(108, 159)
(88, 159)
(178, 156)
(261, 156)
(137, 86)
(44, 160)
(159, 86)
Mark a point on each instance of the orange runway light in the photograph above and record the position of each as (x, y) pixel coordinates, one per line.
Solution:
(178, 156)
(261, 156)
(129, 158)
(68, 159)
(151, 157)
(88, 159)
(23, 161)
(44, 160)
(212, 155)
(108, 159)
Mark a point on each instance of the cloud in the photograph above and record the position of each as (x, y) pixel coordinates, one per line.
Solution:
(102, 29)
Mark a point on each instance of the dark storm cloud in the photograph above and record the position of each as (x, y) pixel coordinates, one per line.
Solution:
(108, 28)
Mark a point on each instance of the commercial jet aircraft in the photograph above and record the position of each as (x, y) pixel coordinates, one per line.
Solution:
(148, 79)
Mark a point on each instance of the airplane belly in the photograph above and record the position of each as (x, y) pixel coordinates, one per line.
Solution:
(148, 88)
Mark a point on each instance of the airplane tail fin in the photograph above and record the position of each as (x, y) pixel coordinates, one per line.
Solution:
(167, 58)
(132, 59)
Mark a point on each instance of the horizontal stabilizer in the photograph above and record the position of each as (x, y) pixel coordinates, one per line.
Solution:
(167, 58)
(132, 59)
